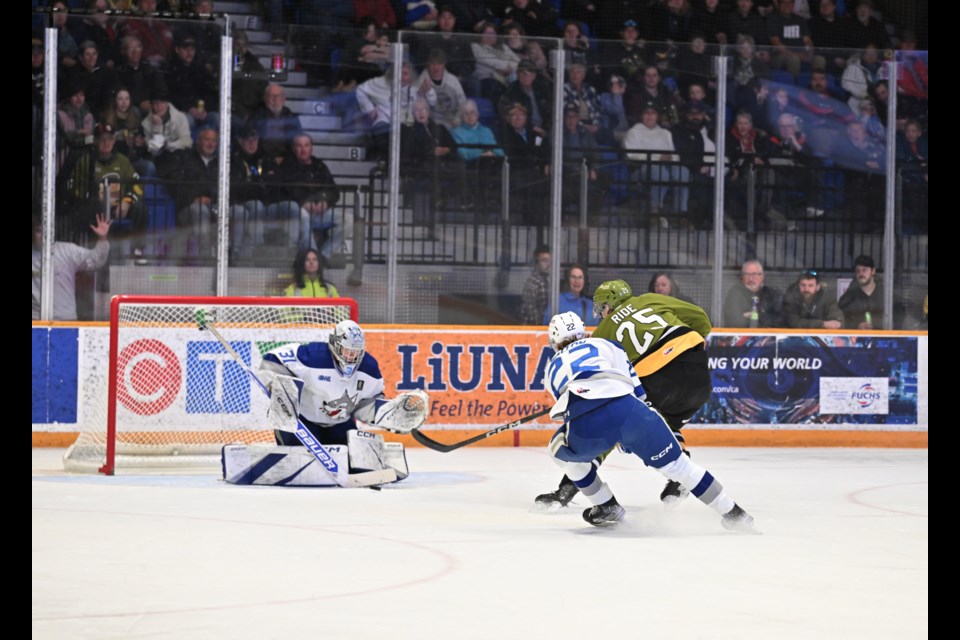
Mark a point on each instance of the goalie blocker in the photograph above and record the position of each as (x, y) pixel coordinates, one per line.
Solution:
(296, 466)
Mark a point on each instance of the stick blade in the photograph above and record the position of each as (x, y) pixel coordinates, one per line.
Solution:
(368, 478)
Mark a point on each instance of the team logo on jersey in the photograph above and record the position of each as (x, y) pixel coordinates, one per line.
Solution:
(668, 351)
(344, 403)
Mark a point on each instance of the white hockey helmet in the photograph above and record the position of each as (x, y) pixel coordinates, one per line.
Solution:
(347, 344)
(565, 328)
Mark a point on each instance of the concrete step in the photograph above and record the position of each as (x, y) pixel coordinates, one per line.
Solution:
(338, 138)
(320, 123)
(351, 168)
(303, 93)
(234, 7)
(338, 152)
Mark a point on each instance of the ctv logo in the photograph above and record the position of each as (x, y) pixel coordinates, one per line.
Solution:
(151, 375)
(866, 395)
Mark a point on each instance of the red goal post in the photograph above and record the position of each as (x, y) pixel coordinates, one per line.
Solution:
(170, 396)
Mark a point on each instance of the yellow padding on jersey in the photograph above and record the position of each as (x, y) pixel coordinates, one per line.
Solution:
(656, 360)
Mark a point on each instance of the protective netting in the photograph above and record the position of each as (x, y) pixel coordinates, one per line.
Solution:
(178, 395)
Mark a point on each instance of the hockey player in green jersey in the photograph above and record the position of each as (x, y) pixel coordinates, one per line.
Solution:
(665, 341)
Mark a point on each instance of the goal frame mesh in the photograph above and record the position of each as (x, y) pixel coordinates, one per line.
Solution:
(109, 438)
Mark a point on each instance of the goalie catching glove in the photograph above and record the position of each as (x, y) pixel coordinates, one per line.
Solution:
(404, 413)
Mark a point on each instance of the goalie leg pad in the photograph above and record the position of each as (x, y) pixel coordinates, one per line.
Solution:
(396, 457)
(278, 466)
(368, 451)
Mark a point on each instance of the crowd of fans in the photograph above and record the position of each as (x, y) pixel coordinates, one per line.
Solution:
(808, 88)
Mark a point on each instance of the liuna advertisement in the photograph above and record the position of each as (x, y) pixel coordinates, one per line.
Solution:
(478, 378)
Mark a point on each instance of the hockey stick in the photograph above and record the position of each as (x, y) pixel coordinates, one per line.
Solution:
(430, 443)
(365, 479)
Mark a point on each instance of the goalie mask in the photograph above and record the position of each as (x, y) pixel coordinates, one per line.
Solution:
(564, 329)
(347, 344)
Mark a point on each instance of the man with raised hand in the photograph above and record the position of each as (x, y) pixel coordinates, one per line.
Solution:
(664, 339)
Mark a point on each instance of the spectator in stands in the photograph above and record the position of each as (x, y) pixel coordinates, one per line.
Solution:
(859, 151)
(613, 115)
(526, 49)
(806, 304)
(747, 22)
(248, 84)
(99, 28)
(68, 49)
(912, 84)
(366, 55)
(124, 191)
(495, 64)
(311, 185)
(74, 118)
(275, 123)
(670, 22)
(830, 33)
(206, 35)
(260, 211)
(663, 283)
(625, 57)
(865, 29)
(710, 20)
(861, 308)
(881, 100)
(308, 280)
(193, 89)
(579, 147)
(156, 36)
(98, 82)
(748, 149)
(476, 146)
(795, 180)
(445, 38)
(650, 146)
(136, 76)
(576, 46)
(421, 15)
(575, 296)
(191, 176)
(863, 71)
(450, 95)
(68, 259)
(374, 100)
(693, 140)
(534, 93)
(750, 303)
(824, 113)
(125, 118)
(652, 92)
(36, 123)
(789, 35)
(165, 128)
(539, 19)
(578, 92)
(912, 153)
(693, 65)
(529, 154)
(536, 289)
(428, 155)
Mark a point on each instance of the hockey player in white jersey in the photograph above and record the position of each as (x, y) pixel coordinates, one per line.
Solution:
(599, 399)
(327, 387)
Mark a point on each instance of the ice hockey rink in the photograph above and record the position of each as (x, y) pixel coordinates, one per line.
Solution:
(455, 552)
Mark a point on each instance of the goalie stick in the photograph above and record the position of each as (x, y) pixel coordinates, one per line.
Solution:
(324, 459)
(430, 443)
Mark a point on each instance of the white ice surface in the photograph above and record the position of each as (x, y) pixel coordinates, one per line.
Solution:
(455, 552)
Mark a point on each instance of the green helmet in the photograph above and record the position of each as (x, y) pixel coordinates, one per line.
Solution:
(612, 293)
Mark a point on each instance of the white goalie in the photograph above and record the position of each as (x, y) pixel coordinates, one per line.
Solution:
(324, 388)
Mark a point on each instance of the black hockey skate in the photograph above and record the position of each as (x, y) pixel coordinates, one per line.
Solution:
(737, 520)
(608, 514)
(559, 498)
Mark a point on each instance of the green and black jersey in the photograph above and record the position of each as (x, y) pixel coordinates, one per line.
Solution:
(654, 329)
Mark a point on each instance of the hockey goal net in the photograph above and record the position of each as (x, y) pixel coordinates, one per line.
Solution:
(171, 395)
